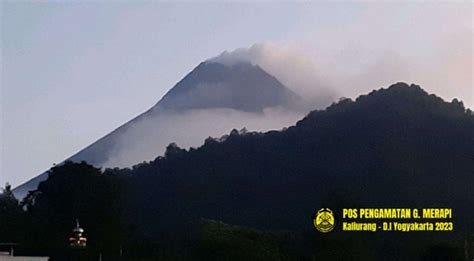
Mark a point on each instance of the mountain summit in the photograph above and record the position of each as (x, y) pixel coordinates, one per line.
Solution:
(240, 86)
(237, 90)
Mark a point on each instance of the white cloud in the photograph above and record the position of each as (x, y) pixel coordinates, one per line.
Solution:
(148, 137)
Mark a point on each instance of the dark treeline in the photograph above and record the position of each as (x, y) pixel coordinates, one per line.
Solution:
(252, 195)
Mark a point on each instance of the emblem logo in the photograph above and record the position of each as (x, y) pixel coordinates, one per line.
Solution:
(324, 220)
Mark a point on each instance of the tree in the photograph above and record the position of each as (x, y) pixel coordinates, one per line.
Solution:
(11, 216)
(173, 150)
(77, 190)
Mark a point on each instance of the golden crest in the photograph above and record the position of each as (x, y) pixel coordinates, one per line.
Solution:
(324, 220)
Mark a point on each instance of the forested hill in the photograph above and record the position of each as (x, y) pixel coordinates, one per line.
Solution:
(394, 148)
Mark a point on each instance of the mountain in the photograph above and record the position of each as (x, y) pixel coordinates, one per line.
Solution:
(398, 147)
(241, 87)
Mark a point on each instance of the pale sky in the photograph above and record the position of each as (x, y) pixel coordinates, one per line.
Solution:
(71, 72)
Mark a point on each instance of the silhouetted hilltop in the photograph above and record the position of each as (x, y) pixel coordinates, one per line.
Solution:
(401, 99)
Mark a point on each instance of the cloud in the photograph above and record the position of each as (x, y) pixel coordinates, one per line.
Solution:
(148, 137)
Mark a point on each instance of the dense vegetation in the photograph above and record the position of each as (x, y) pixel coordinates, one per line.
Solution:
(396, 147)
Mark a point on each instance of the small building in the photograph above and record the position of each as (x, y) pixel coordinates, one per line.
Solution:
(77, 240)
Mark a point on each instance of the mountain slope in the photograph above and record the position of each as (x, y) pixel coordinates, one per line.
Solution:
(241, 87)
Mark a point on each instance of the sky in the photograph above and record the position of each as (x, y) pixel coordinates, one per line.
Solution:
(72, 71)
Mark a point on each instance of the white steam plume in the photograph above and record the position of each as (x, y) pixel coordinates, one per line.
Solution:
(290, 66)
